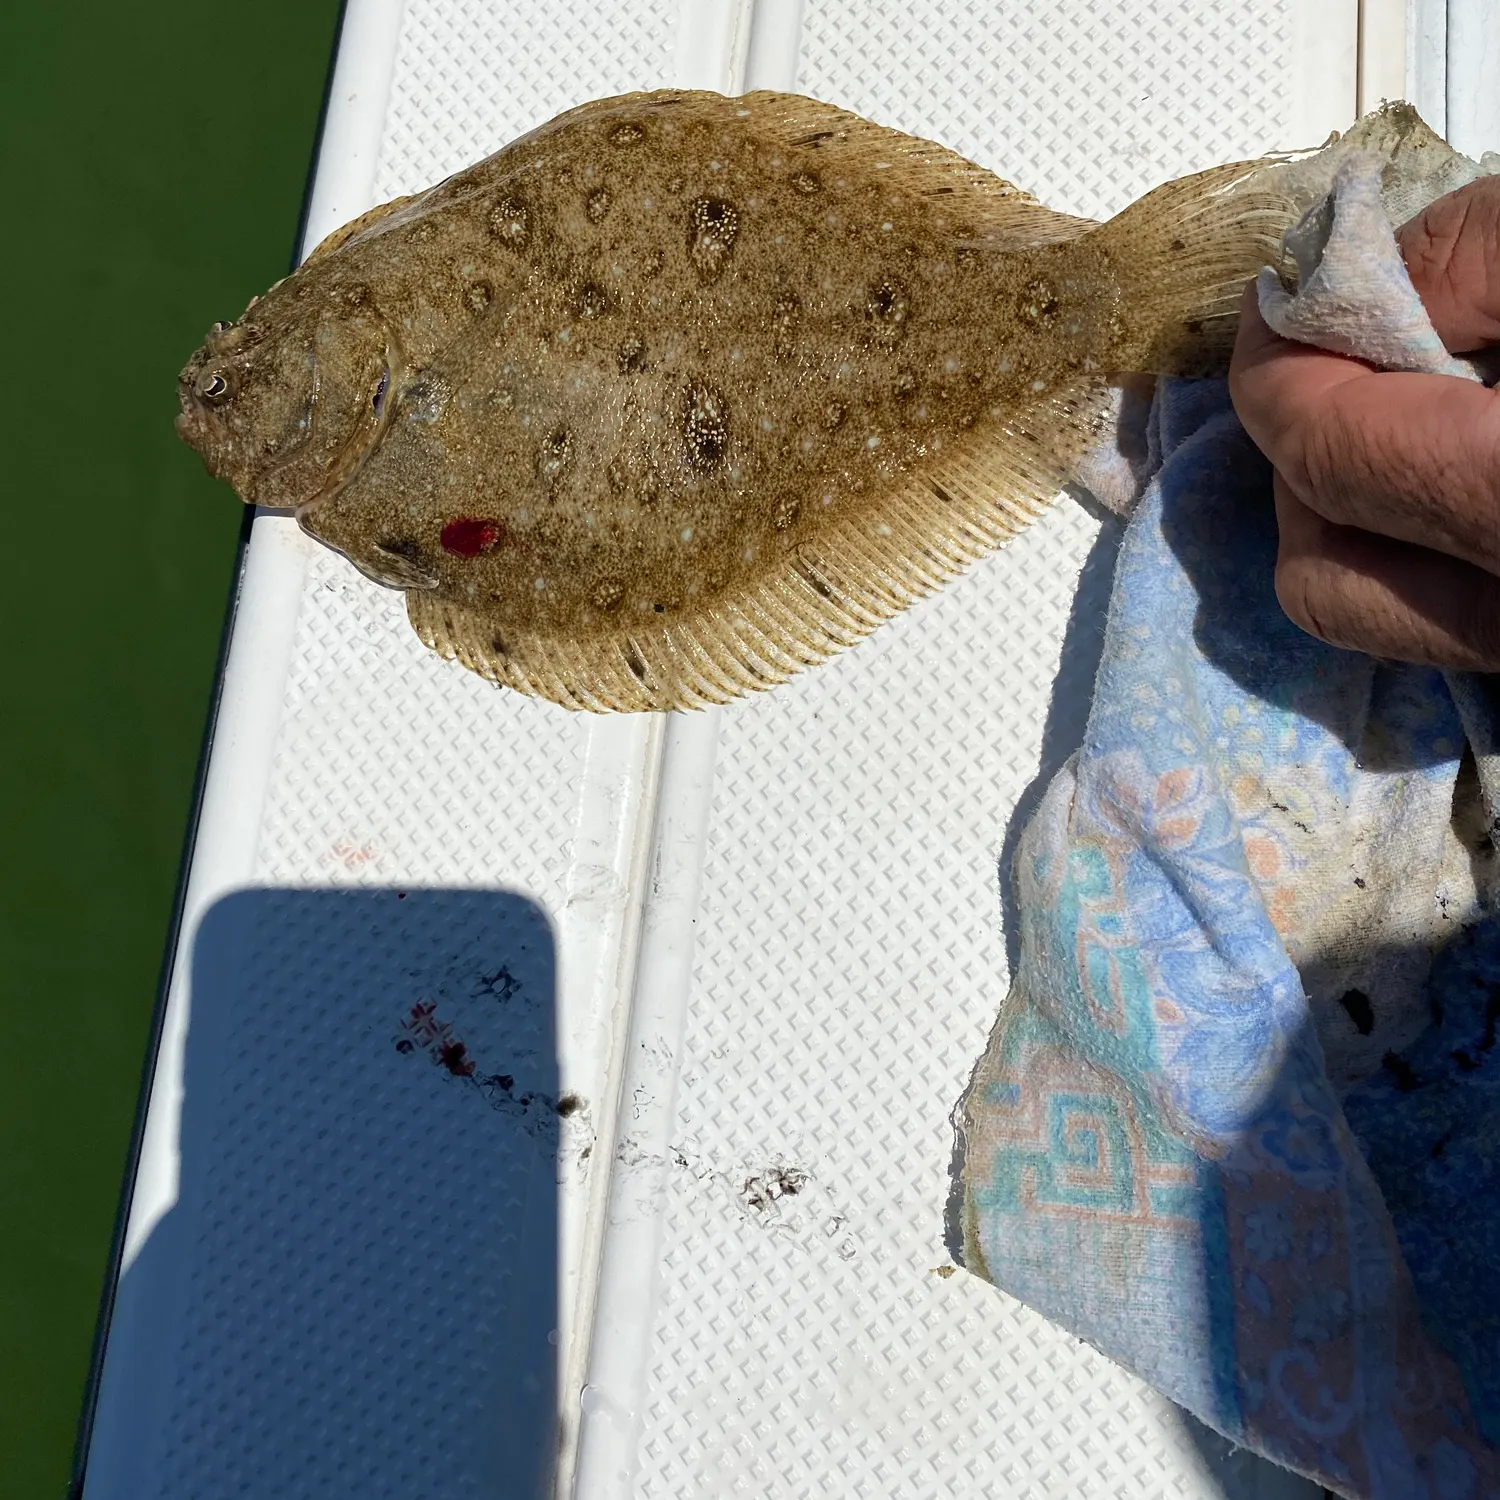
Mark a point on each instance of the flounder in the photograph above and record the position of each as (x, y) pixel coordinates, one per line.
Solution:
(682, 393)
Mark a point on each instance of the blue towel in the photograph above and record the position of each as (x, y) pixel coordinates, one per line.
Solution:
(1238, 1124)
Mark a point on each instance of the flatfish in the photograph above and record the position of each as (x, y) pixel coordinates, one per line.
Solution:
(682, 393)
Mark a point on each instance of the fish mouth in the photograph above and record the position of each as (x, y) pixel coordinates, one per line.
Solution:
(198, 429)
(189, 423)
(365, 438)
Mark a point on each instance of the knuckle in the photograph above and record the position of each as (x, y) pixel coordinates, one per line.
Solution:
(1480, 631)
(1452, 248)
(1328, 461)
(1428, 241)
(1297, 595)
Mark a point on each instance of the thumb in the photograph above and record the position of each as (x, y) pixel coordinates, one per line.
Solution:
(1452, 253)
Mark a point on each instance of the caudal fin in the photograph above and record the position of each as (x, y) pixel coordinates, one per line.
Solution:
(1180, 258)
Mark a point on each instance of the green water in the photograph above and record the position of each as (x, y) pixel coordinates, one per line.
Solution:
(154, 158)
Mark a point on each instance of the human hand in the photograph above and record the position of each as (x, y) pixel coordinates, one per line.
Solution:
(1388, 485)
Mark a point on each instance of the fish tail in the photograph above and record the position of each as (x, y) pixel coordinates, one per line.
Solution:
(1180, 258)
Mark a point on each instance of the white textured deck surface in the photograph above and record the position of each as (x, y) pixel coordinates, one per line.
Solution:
(748, 951)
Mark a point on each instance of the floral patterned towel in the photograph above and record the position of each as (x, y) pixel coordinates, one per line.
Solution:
(1238, 1124)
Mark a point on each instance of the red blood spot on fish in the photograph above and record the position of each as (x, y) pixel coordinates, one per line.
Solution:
(468, 537)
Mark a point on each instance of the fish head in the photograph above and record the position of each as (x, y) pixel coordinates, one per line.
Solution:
(288, 402)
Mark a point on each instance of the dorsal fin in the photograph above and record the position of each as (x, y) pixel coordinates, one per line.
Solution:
(1005, 216)
(346, 232)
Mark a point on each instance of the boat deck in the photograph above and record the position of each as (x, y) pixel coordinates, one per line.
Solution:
(554, 1101)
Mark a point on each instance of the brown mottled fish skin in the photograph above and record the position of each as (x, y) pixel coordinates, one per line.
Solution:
(680, 392)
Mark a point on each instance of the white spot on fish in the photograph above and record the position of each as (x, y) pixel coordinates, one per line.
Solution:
(872, 441)
(687, 533)
(950, 364)
(541, 583)
(1039, 385)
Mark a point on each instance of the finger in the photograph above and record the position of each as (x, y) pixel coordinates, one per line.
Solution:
(1452, 253)
(1415, 457)
(1389, 599)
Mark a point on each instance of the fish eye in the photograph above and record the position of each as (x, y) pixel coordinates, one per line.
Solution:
(377, 401)
(215, 388)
